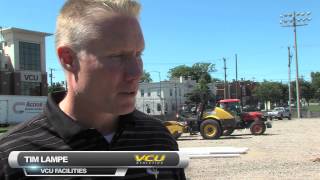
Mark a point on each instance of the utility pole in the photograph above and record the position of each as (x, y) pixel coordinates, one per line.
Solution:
(289, 77)
(241, 91)
(225, 79)
(51, 75)
(236, 76)
(229, 87)
(293, 20)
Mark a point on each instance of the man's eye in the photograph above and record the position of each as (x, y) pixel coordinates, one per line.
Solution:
(139, 54)
(117, 56)
(125, 56)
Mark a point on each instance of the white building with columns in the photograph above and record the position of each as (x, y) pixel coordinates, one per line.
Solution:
(165, 97)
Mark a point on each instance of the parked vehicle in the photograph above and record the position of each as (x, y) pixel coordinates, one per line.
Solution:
(223, 120)
(255, 121)
(15, 109)
(279, 113)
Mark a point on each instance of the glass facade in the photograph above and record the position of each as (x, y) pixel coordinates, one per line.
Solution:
(29, 54)
(30, 88)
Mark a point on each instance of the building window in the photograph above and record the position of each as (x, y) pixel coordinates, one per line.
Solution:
(173, 107)
(30, 88)
(158, 106)
(166, 108)
(170, 92)
(148, 108)
(149, 93)
(29, 54)
(142, 92)
(159, 92)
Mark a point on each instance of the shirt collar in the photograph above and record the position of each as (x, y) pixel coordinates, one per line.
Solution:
(67, 127)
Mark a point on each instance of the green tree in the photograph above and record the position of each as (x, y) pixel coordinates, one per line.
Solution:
(269, 91)
(201, 94)
(315, 82)
(315, 79)
(196, 71)
(285, 92)
(307, 91)
(182, 70)
(216, 80)
(56, 87)
(202, 70)
(146, 77)
(199, 72)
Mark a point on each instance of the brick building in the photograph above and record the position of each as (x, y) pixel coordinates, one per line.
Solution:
(242, 90)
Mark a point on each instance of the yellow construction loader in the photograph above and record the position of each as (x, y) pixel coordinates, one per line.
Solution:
(223, 120)
(210, 124)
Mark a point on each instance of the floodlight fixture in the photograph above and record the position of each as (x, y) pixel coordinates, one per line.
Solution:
(292, 21)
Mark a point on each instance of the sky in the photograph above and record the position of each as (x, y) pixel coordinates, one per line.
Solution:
(184, 32)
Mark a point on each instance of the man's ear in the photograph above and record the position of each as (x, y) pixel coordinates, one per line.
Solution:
(67, 58)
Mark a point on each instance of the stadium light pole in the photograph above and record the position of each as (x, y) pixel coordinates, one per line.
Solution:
(293, 20)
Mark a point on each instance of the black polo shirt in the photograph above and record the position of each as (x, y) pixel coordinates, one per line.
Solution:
(53, 130)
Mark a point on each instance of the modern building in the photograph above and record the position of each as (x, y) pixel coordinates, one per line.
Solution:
(22, 62)
(165, 97)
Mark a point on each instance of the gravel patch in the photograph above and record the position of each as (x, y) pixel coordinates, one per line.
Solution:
(289, 150)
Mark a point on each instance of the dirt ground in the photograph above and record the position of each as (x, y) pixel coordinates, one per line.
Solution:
(289, 150)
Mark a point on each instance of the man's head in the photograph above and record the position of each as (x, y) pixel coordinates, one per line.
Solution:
(99, 44)
(76, 21)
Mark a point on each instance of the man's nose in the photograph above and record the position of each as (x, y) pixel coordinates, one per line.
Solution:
(134, 69)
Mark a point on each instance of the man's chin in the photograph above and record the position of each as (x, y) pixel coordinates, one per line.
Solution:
(126, 108)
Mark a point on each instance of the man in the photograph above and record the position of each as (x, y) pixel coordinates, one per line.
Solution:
(99, 44)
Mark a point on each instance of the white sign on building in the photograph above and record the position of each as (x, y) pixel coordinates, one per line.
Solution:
(30, 76)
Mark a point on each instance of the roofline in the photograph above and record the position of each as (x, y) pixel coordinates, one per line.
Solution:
(13, 29)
